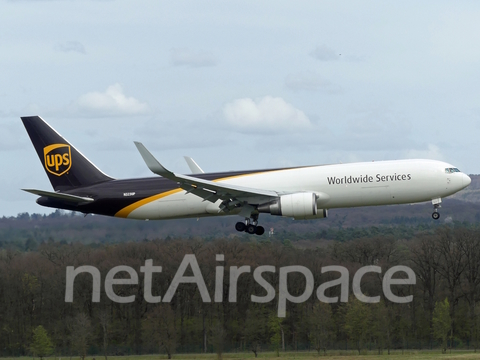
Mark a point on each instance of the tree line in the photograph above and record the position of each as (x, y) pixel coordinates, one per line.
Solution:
(26, 232)
(444, 312)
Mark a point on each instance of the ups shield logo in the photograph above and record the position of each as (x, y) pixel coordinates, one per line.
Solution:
(58, 158)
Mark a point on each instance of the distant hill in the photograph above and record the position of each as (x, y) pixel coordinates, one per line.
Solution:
(471, 193)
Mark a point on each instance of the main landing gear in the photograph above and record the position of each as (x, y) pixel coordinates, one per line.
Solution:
(250, 225)
(436, 204)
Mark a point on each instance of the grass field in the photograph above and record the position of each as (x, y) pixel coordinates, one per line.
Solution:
(333, 355)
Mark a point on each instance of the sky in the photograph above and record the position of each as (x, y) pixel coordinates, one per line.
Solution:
(237, 84)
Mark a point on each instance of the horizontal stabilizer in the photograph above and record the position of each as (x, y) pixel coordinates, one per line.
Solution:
(59, 196)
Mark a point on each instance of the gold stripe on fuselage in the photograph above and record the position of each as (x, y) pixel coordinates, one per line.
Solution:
(128, 209)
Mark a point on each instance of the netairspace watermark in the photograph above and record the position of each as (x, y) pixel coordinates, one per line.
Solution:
(284, 295)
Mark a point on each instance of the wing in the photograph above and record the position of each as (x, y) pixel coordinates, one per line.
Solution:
(231, 195)
(194, 168)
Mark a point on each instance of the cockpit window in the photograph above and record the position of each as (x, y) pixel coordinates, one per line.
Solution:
(451, 170)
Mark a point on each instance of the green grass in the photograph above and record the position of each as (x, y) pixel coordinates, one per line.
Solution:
(333, 355)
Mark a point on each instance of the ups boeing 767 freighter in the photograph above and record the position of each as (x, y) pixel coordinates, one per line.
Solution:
(301, 192)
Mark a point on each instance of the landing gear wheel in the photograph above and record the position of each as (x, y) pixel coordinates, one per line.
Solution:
(259, 230)
(240, 226)
(251, 229)
(436, 205)
(250, 225)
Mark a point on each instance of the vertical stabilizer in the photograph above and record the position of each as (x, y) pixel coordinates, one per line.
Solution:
(65, 166)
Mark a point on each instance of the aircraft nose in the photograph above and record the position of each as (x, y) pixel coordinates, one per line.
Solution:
(466, 180)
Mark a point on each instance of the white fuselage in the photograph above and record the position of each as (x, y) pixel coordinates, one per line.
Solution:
(337, 186)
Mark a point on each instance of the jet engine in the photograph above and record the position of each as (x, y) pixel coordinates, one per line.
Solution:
(300, 206)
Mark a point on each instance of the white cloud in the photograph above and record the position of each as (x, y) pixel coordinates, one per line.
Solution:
(112, 102)
(324, 53)
(268, 113)
(309, 81)
(431, 152)
(71, 46)
(187, 57)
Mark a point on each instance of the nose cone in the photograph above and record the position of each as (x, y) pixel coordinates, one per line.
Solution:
(466, 180)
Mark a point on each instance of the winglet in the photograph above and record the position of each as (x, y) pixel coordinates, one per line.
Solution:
(194, 168)
(151, 162)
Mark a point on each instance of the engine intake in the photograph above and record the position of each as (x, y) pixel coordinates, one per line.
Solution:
(300, 206)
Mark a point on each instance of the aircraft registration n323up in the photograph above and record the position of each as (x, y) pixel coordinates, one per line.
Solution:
(301, 193)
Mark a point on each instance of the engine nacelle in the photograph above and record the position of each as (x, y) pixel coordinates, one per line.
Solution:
(300, 206)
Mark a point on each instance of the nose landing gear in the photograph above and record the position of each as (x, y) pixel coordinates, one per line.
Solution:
(436, 204)
(250, 225)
